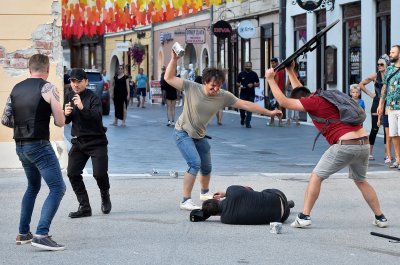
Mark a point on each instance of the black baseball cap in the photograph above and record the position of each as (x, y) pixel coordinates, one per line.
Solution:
(198, 215)
(77, 74)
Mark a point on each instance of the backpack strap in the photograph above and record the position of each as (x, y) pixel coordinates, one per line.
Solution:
(321, 120)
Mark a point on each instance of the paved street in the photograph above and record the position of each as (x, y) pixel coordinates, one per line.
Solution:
(147, 227)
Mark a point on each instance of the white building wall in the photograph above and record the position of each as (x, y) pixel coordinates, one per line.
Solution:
(395, 23)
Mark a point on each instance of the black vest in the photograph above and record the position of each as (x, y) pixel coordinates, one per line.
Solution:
(31, 112)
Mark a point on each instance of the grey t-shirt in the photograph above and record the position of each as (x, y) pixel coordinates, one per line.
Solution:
(198, 108)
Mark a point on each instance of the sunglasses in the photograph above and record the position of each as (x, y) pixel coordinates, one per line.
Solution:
(380, 64)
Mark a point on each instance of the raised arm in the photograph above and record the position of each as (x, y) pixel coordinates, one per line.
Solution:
(289, 103)
(365, 82)
(170, 73)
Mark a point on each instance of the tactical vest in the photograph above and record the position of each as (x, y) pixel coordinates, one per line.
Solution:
(31, 112)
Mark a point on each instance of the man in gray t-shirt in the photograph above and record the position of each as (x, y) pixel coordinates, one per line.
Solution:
(202, 102)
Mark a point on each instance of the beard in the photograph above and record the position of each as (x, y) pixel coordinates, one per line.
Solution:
(394, 59)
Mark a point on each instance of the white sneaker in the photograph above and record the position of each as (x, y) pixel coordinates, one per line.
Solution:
(172, 123)
(300, 223)
(206, 196)
(381, 222)
(189, 205)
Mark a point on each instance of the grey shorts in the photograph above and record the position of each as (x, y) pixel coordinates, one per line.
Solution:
(339, 156)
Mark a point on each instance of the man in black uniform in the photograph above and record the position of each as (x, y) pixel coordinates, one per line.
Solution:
(244, 206)
(247, 81)
(83, 109)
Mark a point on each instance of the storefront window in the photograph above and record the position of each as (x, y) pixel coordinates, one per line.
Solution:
(300, 38)
(221, 53)
(352, 46)
(245, 52)
(383, 27)
(321, 23)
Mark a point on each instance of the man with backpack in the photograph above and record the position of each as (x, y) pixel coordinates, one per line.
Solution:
(348, 140)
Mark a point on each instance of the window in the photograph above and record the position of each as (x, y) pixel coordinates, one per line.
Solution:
(300, 38)
(383, 27)
(351, 45)
(245, 52)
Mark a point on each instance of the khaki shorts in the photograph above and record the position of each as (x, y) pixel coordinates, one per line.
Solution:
(339, 156)
(394, 122)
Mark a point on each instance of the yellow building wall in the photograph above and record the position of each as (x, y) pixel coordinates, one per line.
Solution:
(110, 52)
(28, 27)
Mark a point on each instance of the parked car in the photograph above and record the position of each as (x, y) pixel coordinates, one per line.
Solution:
(97, 85)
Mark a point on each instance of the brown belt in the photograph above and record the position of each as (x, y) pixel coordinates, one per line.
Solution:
(361, 141)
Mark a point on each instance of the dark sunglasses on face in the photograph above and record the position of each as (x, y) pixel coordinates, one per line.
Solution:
(380, 64)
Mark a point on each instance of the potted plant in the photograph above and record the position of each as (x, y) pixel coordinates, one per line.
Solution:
(136, 52)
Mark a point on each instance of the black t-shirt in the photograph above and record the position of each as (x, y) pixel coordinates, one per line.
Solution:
(245, 78)
(244, 206)
(170, 91)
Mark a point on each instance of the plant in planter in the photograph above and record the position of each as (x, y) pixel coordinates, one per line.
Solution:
(137, 52)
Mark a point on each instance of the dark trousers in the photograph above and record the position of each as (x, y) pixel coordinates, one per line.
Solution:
(81, 151)
(286, 208)
(246, 115)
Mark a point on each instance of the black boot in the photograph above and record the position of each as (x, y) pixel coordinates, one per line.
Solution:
(84, 209)
(105, 201)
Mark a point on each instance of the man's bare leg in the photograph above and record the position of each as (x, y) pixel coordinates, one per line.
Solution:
(188, 183)
(396, 145)
(370, 196)
(312, 193)
(204, 181)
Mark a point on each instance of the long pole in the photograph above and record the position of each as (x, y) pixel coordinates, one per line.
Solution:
(282, 29)
(211, 37)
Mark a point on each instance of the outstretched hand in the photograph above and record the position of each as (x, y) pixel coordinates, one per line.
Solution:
(277, 113)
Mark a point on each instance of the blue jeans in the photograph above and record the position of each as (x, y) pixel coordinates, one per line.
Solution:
(196, 152)
(39, 160)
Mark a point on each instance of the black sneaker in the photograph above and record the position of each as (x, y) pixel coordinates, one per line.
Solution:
(24, 239)
(46, 243)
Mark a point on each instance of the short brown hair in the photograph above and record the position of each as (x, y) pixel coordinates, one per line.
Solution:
(210, 73)
(300, 92)
(39, 63)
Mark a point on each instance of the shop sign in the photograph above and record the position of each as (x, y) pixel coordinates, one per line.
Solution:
(180, 32)
(309, 5)
(155, 91)
(196, 36)
(165, 37)
(222, 29)
(246, 29)
(122, 46)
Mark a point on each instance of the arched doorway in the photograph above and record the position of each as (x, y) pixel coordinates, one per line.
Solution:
(204, 61)
(113, 66)
(190, 56)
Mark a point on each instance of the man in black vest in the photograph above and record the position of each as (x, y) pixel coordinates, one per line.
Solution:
(28, 111)
(83, 108)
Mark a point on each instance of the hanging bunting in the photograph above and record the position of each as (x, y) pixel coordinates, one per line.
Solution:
(91, 17)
